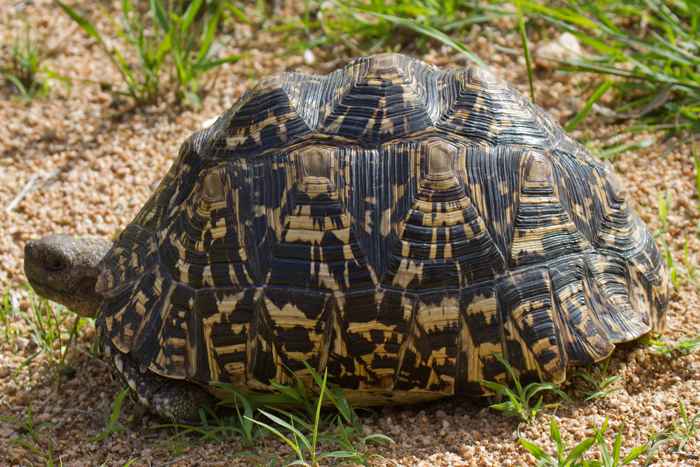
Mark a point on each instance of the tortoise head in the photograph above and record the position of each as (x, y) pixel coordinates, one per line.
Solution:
(65, 270)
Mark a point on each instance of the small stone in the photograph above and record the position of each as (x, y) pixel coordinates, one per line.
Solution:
(440, 416)
(476, 435)
(396, 430)
(309, 57)
(20, 342)
(43, 418)
(116, 447)
(49, 135)
(565, 47)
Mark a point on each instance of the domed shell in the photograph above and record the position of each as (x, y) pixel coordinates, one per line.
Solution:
(393, 223)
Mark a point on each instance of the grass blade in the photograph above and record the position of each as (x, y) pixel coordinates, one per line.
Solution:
(81, 22)
(589, 105)
(645, 143)
(528, 60)
(430, 32)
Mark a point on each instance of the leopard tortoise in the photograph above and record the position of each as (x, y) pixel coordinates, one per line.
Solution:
(393, 223)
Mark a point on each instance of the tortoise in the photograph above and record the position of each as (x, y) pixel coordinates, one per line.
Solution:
(394, 224)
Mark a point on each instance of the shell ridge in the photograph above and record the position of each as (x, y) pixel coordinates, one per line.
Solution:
(582, 335)
(529, 325)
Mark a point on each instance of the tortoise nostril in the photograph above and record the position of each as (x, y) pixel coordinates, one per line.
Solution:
(29, 250)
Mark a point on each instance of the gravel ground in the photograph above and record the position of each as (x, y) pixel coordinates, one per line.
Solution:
(90, 175)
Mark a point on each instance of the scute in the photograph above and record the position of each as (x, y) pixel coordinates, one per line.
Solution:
(394, 224)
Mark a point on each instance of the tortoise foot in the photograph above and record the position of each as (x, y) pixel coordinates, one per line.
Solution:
(167, 397)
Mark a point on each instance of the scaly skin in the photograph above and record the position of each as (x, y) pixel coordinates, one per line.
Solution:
(169, 398)
(65, 270)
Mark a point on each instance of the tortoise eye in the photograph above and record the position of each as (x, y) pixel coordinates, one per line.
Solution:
(56, 264)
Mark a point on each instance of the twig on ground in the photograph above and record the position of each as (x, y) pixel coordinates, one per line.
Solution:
(90, 355)
(22, 193)
(31, 183)
(174, 461)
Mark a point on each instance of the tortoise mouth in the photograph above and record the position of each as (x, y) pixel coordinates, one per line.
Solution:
(44, 290)
(74, 303)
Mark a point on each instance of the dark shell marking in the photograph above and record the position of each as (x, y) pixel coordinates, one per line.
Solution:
(394, 224)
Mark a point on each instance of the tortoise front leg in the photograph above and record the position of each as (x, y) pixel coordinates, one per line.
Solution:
(167, 397)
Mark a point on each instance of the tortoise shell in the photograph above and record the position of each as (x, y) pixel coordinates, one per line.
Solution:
(394, 224)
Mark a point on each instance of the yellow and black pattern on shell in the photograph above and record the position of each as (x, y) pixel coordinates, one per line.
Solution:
(393, 224)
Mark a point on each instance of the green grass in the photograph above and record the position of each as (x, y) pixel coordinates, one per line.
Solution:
(32, 441)
(679, 273)
(576, 457)
(370, 26)
(302, 432)
(112, 425)
(616, 149)
(314, 433)
(669, 349)
(613, 459)
(675, 276)
(7, 310)
(51, 329)
(580, 115)
(683, 431)
(653, 68)
(681, 434)
(526, 50)
(599, 383)
(518, 403)
(563, 458)
(664, 208)
(184, 44)
(691, 264)
(304, 437)
(27, 68)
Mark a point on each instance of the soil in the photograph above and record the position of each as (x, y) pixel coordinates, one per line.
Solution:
(89, 175)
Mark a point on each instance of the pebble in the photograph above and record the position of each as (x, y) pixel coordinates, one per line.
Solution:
(20, 342)
(440, 416)
(565, 47)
